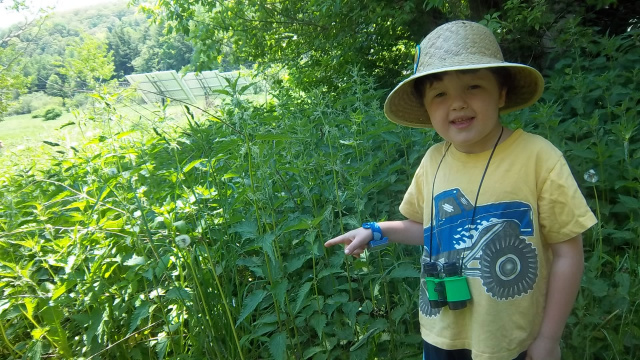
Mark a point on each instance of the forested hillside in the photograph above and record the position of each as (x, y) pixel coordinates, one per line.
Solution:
(66, 54)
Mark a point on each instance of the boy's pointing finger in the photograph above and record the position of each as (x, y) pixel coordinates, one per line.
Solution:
(342, 239)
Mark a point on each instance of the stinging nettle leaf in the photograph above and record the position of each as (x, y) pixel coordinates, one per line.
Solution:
(329, 271)
(250, 303)
(246, 229)
(304, 289)
(161, 347)
(267, 245)
(135, 260)
(630, 202)
(192, 164)
(350, 309)
(34, 352)
(53, 317)
(139, 313)
(258, 331)
(404, 271)
(279, 290)
(295, 262)
(273, 137)
(341, 297)
(278, 346)
(300, 225)
(318, 322)
(62, 289)
(179, 293)
(312, 351)
(364, 339)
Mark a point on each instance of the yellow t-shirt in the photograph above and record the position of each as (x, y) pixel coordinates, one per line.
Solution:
(528, 199)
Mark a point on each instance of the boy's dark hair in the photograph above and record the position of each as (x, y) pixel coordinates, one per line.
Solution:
(502, 75)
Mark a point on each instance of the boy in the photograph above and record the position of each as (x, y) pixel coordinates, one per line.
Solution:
(497, 211)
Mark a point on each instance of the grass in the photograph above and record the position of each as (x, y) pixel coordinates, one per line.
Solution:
(21, 129)
(23, 136)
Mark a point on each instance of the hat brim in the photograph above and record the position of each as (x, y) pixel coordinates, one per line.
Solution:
(403, 105)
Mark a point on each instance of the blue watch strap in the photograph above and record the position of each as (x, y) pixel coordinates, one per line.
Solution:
(379, 241)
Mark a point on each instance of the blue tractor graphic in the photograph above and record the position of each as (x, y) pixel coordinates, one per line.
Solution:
(493, 248)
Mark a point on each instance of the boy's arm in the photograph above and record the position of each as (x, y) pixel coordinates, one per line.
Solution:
(564, 283)
(403, 232)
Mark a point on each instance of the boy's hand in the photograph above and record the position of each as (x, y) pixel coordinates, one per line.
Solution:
(355, 241)
(543, 349)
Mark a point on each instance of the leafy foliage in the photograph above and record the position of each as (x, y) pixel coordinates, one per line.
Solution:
(318, 41)
(255, 270)
(371, 34)
(64, 54)
(87, 62)
(12, 80)
(52, 113)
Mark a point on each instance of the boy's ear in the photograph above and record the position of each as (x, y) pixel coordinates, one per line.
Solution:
(503, 97)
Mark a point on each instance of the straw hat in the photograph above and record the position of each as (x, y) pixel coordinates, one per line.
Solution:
(460, 45)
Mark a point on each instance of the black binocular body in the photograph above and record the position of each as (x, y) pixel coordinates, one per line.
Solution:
(447, 287)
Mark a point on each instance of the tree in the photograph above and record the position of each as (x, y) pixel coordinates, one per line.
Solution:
(161, 52)
(320, 41)
(54, 86)
(12, 81)
(124, 46)
(13, 53)
(316, 41)
(88, 63)
(59, 87)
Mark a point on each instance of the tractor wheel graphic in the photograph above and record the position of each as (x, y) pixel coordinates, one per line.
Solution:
(508, 265)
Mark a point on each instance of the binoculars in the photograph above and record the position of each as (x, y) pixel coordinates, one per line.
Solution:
(450, 289)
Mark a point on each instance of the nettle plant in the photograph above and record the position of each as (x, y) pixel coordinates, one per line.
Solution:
(305, 170)
(206, 241)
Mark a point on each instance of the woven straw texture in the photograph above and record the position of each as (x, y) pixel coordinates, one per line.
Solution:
(460, 45)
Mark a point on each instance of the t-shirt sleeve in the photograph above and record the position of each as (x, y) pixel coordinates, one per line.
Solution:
(563, 211)
(412, 205)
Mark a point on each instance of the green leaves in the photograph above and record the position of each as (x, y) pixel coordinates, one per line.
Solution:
(302, 296)
(404, 271)
(318, 323)
(286, 33)
(277, 345)
(53, 318)
(141, 312)
(250, 303)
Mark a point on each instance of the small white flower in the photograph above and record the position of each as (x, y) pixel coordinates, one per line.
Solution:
(591, 176)
(111, 171)
(183, 241)
(141, 190)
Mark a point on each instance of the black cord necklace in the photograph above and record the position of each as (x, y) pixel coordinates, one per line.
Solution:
(473, 213)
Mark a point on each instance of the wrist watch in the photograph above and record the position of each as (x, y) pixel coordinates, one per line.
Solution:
(379, 241)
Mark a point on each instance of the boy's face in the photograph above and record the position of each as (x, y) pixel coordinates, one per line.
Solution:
(464, 109)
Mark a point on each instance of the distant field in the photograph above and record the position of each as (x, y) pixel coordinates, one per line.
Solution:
(16, 130)
(23, 134)
(23, 130)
